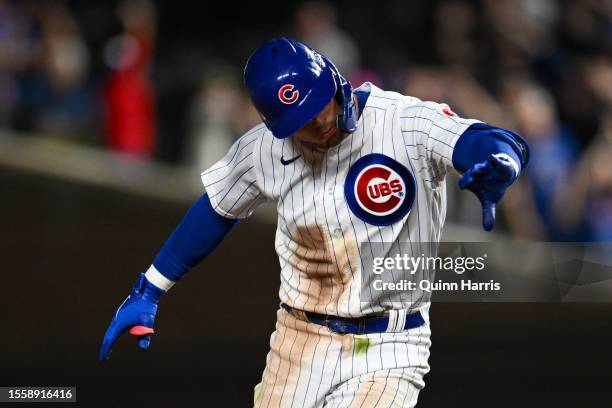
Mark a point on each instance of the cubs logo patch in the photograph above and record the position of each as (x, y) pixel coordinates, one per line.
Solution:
(379, 190)
(287, 94)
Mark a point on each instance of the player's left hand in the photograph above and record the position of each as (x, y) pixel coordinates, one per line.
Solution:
(489, 180)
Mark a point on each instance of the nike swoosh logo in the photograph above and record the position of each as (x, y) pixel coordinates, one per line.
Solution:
(286, 162)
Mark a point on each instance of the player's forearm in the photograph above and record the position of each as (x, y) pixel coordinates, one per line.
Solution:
(200, 231)
(481, 140)
(197, 235)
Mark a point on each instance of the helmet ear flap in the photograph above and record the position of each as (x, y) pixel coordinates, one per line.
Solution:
(344, 90)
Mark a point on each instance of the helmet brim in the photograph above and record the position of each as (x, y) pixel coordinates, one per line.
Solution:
(309, 106)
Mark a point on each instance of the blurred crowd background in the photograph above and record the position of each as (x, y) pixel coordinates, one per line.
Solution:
(162, 81)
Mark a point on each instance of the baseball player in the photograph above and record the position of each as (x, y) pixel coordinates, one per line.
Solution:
(344, 167)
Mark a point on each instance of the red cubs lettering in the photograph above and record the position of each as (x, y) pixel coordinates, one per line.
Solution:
(287, 95)
(374, 191)
(385, 190)
(396, 186)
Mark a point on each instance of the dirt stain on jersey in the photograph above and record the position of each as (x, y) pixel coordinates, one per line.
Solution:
(328, 261)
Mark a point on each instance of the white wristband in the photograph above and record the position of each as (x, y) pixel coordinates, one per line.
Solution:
(157, 279)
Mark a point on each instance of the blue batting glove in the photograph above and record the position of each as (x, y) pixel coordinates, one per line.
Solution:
(489, 180)
(137, 312)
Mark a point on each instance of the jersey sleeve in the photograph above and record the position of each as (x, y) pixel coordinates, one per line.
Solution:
(433, 129)
(232, 182)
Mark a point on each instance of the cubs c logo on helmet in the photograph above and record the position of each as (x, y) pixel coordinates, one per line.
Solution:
(379, 190)
(287, 95)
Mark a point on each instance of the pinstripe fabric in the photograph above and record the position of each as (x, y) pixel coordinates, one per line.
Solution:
(318, 242)
(309, 366)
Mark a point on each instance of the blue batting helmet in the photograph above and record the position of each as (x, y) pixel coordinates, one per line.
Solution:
(290, 84)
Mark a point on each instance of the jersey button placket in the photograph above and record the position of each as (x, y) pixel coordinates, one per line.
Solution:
(330, 203)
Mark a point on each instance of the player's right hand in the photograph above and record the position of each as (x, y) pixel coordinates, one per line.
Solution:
(137, 313)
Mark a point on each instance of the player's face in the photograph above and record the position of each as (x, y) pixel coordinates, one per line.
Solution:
(323, 130)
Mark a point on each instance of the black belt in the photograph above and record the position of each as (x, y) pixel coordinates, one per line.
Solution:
(354, 325)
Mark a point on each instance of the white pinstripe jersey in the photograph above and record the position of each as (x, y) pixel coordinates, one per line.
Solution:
(318, 234)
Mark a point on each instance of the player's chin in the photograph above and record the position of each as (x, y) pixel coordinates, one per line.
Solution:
(327, 135)
(321, 140)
